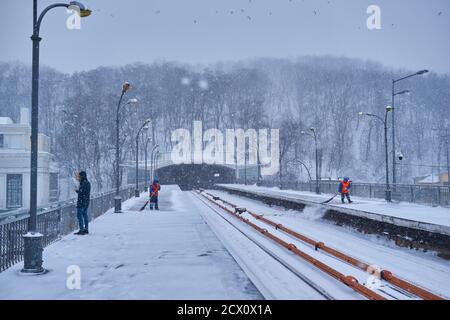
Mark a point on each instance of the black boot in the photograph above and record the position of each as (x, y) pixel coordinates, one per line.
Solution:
(79, 233)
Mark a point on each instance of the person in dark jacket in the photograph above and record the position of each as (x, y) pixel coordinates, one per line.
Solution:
(154, 193)
(344, 190)
(84, 196)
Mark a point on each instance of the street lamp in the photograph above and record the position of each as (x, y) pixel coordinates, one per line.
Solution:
(394, 94)
(155, 163)
(33, 240)
(388, 193)
(152, 162)
(145, 128)
(145, 154)
(117, 198)
(314, 135)
(447, 141)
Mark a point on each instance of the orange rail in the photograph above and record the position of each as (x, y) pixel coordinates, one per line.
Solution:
(350, 281)
(385, 274)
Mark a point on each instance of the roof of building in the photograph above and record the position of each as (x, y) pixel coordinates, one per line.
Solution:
(6, 120)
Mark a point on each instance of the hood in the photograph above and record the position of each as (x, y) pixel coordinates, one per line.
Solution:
(83, 175)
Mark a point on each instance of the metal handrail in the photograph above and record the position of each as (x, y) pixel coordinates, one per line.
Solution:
(52, 223)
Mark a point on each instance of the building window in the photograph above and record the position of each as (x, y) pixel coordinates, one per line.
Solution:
(13, 191)
(1, 140)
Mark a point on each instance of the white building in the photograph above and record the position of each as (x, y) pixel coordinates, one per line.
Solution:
(15, 165)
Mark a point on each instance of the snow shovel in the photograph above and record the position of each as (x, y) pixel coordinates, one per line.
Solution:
(143, 207)
(330, 199)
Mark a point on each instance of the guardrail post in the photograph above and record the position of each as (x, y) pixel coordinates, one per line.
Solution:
(439, 195)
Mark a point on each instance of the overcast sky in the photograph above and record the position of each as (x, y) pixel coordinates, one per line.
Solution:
(415, 34)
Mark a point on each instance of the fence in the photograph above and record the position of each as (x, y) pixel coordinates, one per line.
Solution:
(420, 194)
(52, 224)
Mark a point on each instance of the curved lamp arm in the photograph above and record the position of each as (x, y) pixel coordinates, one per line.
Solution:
(83, 12)
(37, 27)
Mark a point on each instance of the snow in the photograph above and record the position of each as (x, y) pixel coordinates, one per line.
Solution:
(166, 254)
(433, 178)
(33, 235)
(6, 120)
(439, 216)
(424, 269)
(187, 251)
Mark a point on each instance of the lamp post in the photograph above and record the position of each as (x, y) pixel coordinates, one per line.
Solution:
(143, 127)
(388, 193)
(117, 198)
(448, 160)
(155, 164)
(33, 240)
(394, 94)
(145, 155)
(446, 136)
(152, 162)
(314, 135)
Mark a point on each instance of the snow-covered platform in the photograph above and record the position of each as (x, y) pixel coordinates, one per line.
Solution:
(410, 221)
(166, 254)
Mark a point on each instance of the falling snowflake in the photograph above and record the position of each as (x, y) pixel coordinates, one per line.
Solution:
(185, 81)
(203, 84)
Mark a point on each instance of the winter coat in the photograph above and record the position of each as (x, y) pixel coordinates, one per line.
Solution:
(154, 192)
(84, 191)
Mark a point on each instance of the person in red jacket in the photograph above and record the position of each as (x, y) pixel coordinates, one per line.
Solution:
(154, 193)
(344, 189)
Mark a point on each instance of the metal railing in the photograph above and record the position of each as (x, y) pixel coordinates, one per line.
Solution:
(53, 223)
(420, 194)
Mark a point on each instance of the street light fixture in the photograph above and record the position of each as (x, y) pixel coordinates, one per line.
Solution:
(33, 240)
(388, 193)
(117, 199)
(421, 72)
(314, 135)
(394, 94)
(402, 92)
(145, 128)
(84, 11)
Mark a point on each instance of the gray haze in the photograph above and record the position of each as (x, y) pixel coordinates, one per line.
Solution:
(415, 34)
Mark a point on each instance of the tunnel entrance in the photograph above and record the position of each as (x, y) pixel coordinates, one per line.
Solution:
(194, 176)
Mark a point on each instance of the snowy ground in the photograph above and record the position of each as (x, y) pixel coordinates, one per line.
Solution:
(424, 269)
(187, 251)
(167, 254)
(404, 210)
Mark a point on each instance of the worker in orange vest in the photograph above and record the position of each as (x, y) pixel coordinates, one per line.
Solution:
(344, 189)
(154, 193)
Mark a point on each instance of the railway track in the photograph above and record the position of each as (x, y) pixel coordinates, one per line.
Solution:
(330, 261)
(289, 268)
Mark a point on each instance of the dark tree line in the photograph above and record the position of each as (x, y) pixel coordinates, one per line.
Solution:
(78, 112)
